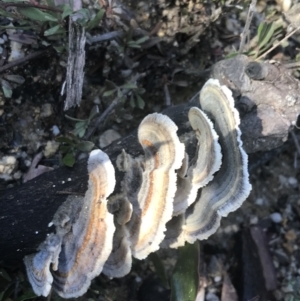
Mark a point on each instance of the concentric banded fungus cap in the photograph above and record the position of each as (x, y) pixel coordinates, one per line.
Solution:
(38, 265)
(208, 160)
(230, 186)
(86, 248)
(163, 155)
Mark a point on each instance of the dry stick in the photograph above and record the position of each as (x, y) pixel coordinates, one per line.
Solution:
(245, 32)
(101, 118)
(15, 4)
(292, 65)
(277, 44)
(22, 60)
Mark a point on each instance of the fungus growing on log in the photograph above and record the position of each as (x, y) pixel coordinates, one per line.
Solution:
(230, 186)
(163, 155)
(81, 246)
(207, 162)
(165, 199)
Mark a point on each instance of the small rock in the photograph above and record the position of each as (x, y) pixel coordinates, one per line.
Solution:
(253, 220)
(276, 217)
(17, 175)
(108, 137)
(290, 235)
(51, 148)
(293, 182)
(217, 279)
(55, 130)
(46, 110)
(259, 201)
(8, 165)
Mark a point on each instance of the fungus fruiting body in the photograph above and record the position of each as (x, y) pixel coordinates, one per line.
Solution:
(165, 198)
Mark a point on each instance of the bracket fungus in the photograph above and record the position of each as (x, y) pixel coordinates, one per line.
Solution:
(82, 245)
(230, 186)
(165, 198)
(207, 161)
(163, 155)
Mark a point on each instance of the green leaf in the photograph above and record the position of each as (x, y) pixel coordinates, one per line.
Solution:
(265, 33)
(120, 94)
(5, 13)
(73, 119)
(94, 112)
(129, 86)
(108, 93)
(63, 139)
(133, 45)
(79, 131)
(7, 89)
(85, 146)
(140, 101)
(93, 23)
(36, 14)
(69, 159)
(142, 40)
(18, 79)
(59, 49)
(80, 124)
(82, 16)
(184, 281)
(27, 295)
(52, 30)
(67, 11)
(160, 269)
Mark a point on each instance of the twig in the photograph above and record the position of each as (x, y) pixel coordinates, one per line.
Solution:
(23, 60)
(245, 32)
(17, 4)
(292, 65)
(277, 44)
(101, 118)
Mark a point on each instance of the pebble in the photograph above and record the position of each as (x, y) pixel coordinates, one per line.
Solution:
(259, 201)
(46, 110)
(290, 235)
(108, 137)
(55, 130)
(8, 164)
(51, 148)
(276, 217)
(293, 182)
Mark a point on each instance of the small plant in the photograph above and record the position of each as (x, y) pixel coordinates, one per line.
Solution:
(130, 90)
(70, 145)
(8, 82)
(295, 287)
(81, 125)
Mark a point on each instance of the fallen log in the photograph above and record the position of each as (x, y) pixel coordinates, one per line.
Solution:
(266, 96)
